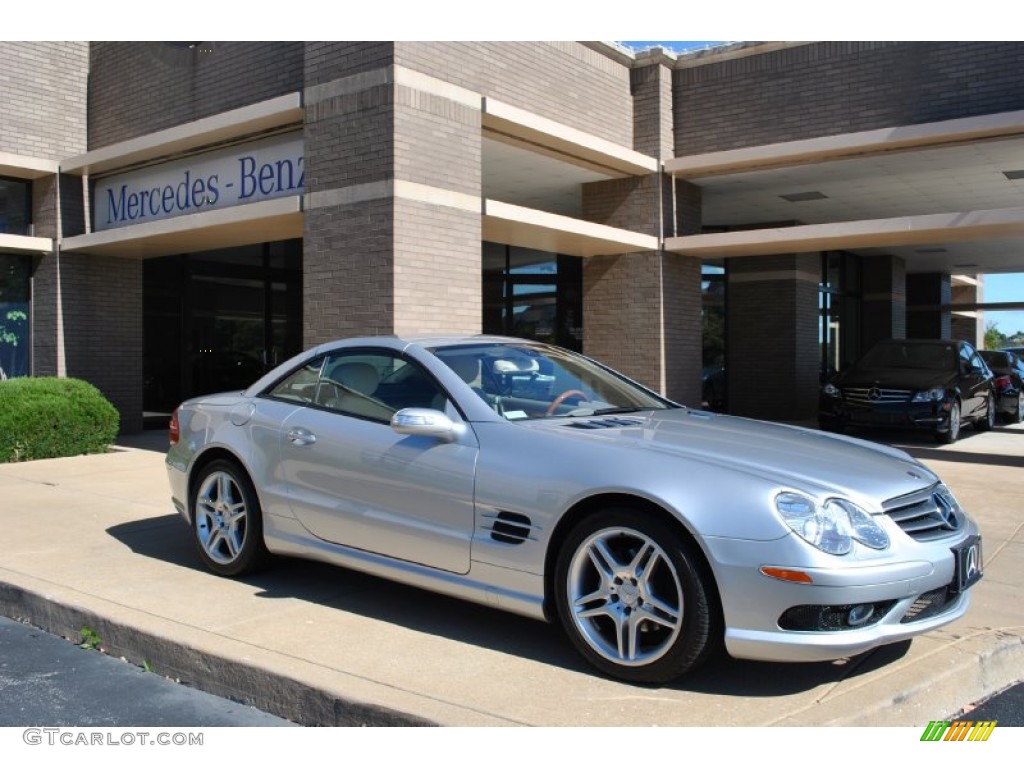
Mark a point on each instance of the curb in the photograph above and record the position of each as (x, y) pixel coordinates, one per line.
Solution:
(228, 678)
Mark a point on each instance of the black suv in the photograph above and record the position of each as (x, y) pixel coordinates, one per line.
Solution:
(925, 384)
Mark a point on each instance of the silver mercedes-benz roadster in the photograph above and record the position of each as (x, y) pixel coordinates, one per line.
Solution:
(532, 479)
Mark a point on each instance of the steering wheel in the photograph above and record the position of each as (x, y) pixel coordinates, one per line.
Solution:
(562, 397)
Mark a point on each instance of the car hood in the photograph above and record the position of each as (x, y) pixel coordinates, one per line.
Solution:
(895, 378)
(804, 459)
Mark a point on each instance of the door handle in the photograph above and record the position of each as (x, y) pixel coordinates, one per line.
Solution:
(300, 436)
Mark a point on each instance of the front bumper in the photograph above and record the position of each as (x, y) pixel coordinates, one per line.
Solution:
(914, 586)
(929, 416)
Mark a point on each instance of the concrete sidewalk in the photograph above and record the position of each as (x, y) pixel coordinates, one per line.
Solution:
(92, 542)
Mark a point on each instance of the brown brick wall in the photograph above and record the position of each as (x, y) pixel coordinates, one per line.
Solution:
(827, 88)
(884, 299)
(101, 299)
(622, 314)
(772, 357)
(562, 81)
(43, 98)
(651, 87)
(927, 293)
(375, 263)
(137, 88)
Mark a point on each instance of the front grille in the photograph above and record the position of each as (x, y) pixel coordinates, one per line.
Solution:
(924, 515)
(875, 395)
(927, 605)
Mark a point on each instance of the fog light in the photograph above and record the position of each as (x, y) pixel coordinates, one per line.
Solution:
(860, 614)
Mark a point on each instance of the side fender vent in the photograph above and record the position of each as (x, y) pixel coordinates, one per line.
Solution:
(511, 528)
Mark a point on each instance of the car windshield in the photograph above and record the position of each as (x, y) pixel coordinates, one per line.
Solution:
(927, 357)
(536, 381)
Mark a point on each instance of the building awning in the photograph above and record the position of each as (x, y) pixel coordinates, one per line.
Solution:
(964, 226)
(847, 145)
(265, 221)
(21, 167)
(530, 228)
(504, 122)
(246, 121)
(25, 245)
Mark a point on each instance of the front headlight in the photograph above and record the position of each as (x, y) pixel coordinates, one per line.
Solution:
(930, 395)
(833, 526)
(830, 390)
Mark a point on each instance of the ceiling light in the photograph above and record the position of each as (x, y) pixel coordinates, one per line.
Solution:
(799, 197)
(1013, 174)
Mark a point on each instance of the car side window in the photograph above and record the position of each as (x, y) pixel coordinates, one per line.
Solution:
(299, 387)
(375, 385)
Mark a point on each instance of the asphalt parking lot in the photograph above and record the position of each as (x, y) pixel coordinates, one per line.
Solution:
(92, 541)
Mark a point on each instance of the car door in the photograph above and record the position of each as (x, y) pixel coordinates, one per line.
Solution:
(353, 480)
(975, 382)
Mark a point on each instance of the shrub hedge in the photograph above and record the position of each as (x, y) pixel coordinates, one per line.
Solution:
(45, 418)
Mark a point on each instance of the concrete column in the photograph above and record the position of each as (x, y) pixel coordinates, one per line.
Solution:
(927, 295)
(967, 327)
(392, 225)
(641, 311)
(884, 299)
(772, 354)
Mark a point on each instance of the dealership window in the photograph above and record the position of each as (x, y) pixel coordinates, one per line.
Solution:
(15, 207)
(533, 294)
(217, 320)
(15, 273)
(839, 308)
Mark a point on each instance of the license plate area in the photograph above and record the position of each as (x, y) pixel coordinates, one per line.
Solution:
(968, 564)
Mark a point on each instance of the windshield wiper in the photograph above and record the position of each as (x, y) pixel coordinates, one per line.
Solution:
(620, 409)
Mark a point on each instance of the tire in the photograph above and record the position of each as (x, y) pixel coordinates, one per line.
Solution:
(950, 436)
(227, 522)
(635, 597)
(1018, 417)
(988, 421)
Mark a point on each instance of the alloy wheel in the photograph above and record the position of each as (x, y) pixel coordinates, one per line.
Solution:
(625, 596)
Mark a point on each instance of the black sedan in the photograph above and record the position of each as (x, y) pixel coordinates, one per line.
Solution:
(1008, 369)
(926, 384)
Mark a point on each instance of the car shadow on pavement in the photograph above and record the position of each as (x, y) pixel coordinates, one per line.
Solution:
(166, 538)
(923, 447)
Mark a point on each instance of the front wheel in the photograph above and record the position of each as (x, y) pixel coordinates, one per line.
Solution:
(1018, 416)
(635, 597)
(227, 522)
(950, 435)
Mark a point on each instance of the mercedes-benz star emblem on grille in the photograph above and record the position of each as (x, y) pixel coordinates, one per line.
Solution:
(874, 394)
(945, 510)
(972, 563)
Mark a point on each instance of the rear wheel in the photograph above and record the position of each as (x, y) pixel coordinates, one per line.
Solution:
(635, 597)
(988, 421)
(227, 521)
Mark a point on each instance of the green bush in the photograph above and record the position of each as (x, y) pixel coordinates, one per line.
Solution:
(45, 418)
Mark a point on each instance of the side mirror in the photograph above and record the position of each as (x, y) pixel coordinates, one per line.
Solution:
(426, 422)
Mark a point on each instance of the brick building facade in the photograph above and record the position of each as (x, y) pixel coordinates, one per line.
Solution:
(669, 214)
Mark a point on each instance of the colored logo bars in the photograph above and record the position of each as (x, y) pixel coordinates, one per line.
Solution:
(960, 730)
